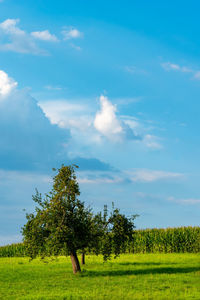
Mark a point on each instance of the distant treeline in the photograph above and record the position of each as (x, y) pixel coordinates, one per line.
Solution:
(169, 240)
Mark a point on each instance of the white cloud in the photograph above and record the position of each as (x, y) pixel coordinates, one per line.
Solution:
(44, 36)
(109, 125)
(152, 141)
(66, 114)
(7, 84)
(106, 121)
(17, 40)
(197, 75)
(134, 70)
(23, 176)
(71, 33)
(145, 175)
(96, 127)
(99, 178)
(29, 140)
(175, 67)
(186, 201)
(53, 88)
(136, 175)
(9, 27)
(78, 48)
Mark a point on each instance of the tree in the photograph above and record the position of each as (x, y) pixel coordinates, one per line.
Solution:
(121, 230)
(110, 233)
(60, 223)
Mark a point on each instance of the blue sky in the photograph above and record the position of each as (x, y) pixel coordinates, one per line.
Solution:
(112, 86)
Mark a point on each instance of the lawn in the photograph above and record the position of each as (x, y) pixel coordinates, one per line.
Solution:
(140, 276)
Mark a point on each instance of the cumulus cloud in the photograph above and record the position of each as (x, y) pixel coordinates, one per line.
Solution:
(7, 84)
(44, 36)
(67, 114)
(145, 175)
(109, 125)
(91, 126)
(28, 139)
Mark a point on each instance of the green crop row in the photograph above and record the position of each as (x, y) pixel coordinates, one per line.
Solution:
(13, 250)
(169, 240)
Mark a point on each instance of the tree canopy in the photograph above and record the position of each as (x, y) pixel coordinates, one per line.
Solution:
(62, 224)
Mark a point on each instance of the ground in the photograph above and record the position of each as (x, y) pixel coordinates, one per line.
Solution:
(132, 276)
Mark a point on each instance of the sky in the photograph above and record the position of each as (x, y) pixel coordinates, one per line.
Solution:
(112, 86)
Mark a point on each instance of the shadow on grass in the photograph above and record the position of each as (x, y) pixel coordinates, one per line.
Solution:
(146, 263)
(161, 270)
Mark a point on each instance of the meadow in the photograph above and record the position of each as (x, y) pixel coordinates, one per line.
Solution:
(131, 276)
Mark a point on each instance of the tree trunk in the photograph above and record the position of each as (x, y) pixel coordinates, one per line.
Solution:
(83, 258)
(75, 262)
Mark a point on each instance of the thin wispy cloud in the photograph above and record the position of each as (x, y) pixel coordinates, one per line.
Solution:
(134, 70)
(78, 48)
(53, 88)
(71, 33)
(168, 66)
(99, 178)
(146, 175)
(128, 176)
(184, 201)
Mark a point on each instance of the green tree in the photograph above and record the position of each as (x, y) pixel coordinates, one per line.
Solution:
(60, 223)
(111, 234)
(121, 230)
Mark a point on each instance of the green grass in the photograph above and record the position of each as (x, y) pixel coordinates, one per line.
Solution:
(139, 276)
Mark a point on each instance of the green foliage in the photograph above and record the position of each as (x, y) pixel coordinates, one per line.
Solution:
(60, 223)
(112, 233)
(121, 231)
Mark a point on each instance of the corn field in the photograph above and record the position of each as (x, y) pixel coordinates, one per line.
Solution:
(13, 250)
(169, 240)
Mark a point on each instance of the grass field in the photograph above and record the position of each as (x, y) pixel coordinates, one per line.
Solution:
(140, 276)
